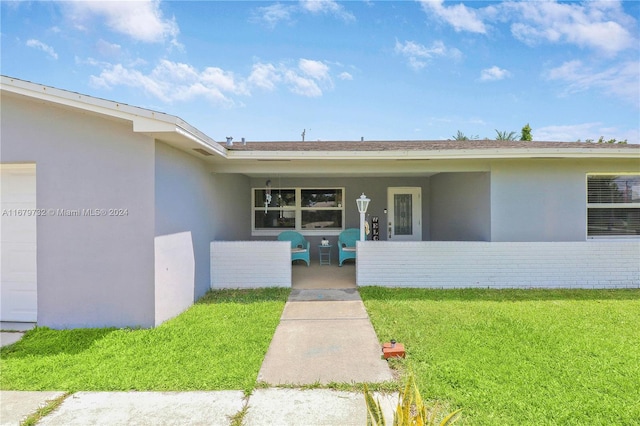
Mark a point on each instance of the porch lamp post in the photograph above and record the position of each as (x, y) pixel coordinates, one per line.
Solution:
(363, 204)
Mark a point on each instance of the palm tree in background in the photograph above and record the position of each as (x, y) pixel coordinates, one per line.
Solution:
(504, 136)
(462, 137)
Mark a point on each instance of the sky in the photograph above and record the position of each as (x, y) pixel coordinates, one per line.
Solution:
(378, 70)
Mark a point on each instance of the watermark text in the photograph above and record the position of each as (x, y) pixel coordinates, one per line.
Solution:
(65, 212)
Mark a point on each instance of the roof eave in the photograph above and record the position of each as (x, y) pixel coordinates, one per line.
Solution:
(435, 155)
(157, 124)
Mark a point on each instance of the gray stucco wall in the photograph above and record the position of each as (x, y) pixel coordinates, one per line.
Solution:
(460, 207)
(92, 271)
(544, 200)
(189, 197)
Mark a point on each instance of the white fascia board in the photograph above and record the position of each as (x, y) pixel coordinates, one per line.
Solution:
(79, 101)
(204, 141)
(143, 120)
(427, 155)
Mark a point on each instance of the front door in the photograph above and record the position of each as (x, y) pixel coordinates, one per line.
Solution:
(404, 214)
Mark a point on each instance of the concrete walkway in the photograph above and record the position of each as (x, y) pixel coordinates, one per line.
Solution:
(268, 407)
(11, 332)
(324, 336)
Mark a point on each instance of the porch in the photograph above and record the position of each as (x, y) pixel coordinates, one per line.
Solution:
(317, 276)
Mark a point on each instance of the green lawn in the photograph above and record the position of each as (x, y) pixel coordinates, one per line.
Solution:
(519, 357)
(219, 343)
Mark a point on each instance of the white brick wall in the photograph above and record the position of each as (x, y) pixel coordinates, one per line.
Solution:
(250, 264)
(448, 264)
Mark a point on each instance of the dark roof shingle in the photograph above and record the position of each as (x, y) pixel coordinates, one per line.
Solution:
(368, 146)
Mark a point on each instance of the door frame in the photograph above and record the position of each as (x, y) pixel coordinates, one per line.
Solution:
(416, 214)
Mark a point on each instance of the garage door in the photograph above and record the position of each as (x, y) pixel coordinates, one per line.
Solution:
(18, 268)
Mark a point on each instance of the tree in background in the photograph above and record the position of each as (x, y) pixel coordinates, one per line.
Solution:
(526, 133)
(462, 137)
(601, 140)
(504, 136)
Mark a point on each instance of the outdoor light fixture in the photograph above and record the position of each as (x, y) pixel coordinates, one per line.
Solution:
(363, 205)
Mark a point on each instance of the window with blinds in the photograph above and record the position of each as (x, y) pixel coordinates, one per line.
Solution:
(613, 205)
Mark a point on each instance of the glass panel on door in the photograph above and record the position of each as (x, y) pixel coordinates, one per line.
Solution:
(404, 213)
(402, 208)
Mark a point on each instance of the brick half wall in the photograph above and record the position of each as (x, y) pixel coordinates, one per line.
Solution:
(450, 264)
(250, 264)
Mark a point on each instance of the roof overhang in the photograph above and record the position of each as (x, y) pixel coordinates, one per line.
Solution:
(164, 127)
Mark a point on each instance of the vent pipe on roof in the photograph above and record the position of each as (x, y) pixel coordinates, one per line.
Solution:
(361, 138)
(229, 141)
(244, 142)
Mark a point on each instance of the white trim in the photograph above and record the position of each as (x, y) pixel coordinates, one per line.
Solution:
(143, 120)
(416, 213)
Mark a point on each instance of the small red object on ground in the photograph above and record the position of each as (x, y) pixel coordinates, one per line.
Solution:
(393, 350)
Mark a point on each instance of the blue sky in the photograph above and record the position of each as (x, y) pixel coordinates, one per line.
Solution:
(382, 70)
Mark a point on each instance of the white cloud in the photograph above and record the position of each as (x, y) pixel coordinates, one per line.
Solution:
(345, 76)
(315, 69)
(621, 80)
(37, 44)
(602, 26)
(417, 54)
(302, 85)
(173, 81)
(584, 131)
(460, 17)
(141, 20)
(274, 14)
(493, 74)
(264, 76)
(329, 7)
(117, 75)
(307, 79)
(108, 49)
(599, 25)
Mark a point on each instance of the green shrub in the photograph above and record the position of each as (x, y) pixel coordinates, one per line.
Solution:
(411, 409)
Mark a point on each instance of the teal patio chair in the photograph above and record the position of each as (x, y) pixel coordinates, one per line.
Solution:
(300, 248)
(347, 244)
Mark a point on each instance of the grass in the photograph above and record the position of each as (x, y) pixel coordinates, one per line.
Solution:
(519, 357)
(42, 412)
(219, 343)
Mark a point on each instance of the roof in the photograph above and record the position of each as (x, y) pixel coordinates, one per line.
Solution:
(165, 127)
(304, 158)
(422, 145)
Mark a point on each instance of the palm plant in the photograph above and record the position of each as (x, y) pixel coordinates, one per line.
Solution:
(460, 136)
(504, 136)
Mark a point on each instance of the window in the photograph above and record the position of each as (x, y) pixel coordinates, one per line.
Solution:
(613, 205)
(307, 210)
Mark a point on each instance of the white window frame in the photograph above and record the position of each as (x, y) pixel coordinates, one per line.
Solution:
(607, 206)
(298, 209)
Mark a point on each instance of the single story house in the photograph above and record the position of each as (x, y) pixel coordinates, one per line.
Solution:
(114, 215)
